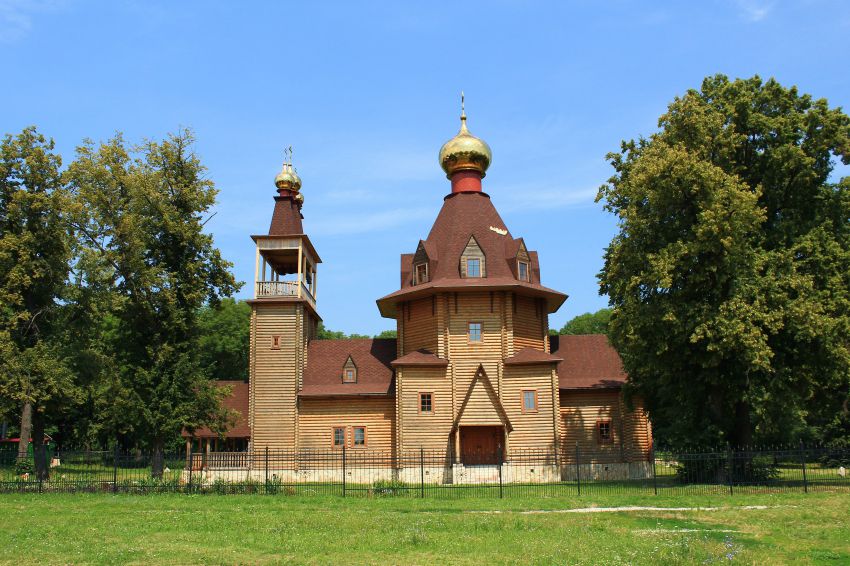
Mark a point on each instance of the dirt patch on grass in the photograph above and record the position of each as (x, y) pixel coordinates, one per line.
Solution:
(631, 508)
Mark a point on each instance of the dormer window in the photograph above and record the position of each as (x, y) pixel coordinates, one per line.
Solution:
(421, 274)
(349, 371)
(472, 261)
(522, 269)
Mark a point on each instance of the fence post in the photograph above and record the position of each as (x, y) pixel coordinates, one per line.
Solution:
(654, 478)
(578, 470)
(190, 459)
(343, 470)
(115, 469)
(730, 464)
(422, 472)
(267, 470)
(501, 465)
(803, 460)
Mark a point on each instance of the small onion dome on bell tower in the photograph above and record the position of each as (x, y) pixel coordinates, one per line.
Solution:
(465, 152)
(287, 179)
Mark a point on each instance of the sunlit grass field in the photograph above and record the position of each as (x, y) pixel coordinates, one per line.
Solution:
(193, 529)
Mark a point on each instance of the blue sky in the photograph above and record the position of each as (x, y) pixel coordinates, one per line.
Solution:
(368, 92)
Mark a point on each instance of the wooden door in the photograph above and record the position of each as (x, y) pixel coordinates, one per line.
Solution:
(480, 445)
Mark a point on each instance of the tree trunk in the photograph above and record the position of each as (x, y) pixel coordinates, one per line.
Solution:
(743, 433)
(157, 459)
(26, 431)
(42, 469)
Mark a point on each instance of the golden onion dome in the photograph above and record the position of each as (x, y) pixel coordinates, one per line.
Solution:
(299, 198)
(465, 152)
(288, 179)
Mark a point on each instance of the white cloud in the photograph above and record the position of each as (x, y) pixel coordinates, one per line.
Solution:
(527, 199)
(353, 222)
(16, 17)
(754, 10)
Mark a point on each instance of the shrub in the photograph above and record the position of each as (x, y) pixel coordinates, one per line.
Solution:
(388, 488)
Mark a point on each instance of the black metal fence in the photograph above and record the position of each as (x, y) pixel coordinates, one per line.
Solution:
(431, 473)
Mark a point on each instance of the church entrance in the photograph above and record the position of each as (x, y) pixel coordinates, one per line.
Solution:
(481, 445)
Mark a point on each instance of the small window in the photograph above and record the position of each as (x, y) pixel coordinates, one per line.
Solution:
(421, 274)
(523, 271)
(473, 267)
(475, 332)
(275, 342)
(603, 429)
(349, 371)
(360, 436)
(339, 436)
(426, 403)
(529, 401)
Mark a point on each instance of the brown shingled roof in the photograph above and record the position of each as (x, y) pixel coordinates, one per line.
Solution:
(462, 216)
(286, 218)
(238, 401)
(590, 362)
(531, 356)
(420, 358)
(325, 359)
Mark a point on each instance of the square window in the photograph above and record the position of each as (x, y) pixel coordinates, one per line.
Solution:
(349, 376)
(475, 332)
(523, 271)
(604, 431)
(426, 403)
(360, 436)
(529, 401)
(339, 436)
(473, 267)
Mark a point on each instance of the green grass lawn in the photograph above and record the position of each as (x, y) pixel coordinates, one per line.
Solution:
(235, 529)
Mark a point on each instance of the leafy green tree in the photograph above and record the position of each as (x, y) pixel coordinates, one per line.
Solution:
(141, 215)
(324, 334)
(225, 332)
(388, 334)
(587, 323)
(35, 249)
(730, 276)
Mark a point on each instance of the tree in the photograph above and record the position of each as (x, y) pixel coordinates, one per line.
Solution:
(730, 276)
(387, 334)
(588, 323)
(225, 332)
(141, 215)
(35, 248)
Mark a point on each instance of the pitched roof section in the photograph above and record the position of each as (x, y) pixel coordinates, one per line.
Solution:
(589, 362)
(464, 216)
(237, 401)
(531, 356)
(286, 219)
(420, 358)
(325, 359)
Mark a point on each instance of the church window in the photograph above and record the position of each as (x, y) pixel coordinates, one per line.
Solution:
(523, 271)
(529, 401)
(339, 436)
(603, 432)
(360, 436)
(472, 261)
(349, 371)
(426, 403)
(475, 332)
(421, 275)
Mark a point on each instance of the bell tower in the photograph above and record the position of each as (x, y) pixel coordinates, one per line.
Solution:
(283, 317)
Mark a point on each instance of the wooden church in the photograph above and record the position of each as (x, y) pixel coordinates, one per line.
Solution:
(473, 373)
